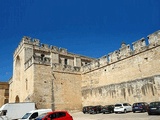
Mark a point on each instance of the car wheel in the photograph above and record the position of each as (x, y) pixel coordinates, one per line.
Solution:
(133, 111)
(125, 111)
(149, 113)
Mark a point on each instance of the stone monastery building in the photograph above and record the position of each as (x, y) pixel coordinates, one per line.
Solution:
(54, 78)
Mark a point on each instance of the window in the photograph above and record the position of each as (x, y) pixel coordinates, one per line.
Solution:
(52, 116)
(17, 99)
(4, 112)
(65, 61)
(34, 115)
(57, 115)
(118, 105)
(42, 57)
(61, 114)
(125, 104)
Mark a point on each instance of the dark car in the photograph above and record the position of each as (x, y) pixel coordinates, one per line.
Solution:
(86, 109)
(140, 107)
(107, 109)
(95, 109)
(55, 115)
(154, 108)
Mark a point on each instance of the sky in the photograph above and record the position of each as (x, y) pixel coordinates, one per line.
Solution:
(92, 28)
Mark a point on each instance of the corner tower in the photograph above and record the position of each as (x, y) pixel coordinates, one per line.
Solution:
(47, 75)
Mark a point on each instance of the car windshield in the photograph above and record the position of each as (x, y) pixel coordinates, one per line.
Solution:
(118, 105)
(26, 116)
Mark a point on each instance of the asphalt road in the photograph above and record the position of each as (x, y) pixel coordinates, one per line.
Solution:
(113, 116)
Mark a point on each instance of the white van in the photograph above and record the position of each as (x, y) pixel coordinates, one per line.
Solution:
(10, 111)
(35, 113)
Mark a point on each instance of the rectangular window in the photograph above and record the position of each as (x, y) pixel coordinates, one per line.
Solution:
(65, 61)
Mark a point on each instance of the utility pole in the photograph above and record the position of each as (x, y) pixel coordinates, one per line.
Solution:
(52, 97)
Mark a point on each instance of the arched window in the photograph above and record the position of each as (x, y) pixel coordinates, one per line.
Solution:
(17, 68)
(17, 99)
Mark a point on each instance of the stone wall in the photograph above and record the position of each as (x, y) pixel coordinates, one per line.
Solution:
(116, 70)
(54, 78)
(146, 89)
(43, 83)
(4, 93)
(67, 90)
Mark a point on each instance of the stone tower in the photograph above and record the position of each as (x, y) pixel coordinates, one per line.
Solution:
(47, 75)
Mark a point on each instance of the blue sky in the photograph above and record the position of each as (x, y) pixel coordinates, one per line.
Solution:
(92, 28)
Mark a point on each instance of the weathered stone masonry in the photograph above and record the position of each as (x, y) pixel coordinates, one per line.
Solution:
(4, 93)
(54, 78)
(47, 75)
(125, 75)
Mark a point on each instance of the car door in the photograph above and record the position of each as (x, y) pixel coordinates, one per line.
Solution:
(129, 107)
(125, 106)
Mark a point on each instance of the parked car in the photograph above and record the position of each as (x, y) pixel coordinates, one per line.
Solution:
(86, 109)
(140, 106)
(34, 113)
(154, 108)
(107, 109)
(55, 115)
(95, 109)
(122, 107)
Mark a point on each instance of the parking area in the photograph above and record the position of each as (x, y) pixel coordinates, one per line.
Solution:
(113, 116)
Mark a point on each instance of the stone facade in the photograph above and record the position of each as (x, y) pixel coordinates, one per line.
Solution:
(4, 93)
(47, 75)
(54, 78)
(125, 75)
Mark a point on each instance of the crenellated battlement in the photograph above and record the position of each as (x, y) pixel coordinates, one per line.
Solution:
(40, 46)
(154, 39)
(27, 40)
(125, 52)
(35, 52)
(139, 45)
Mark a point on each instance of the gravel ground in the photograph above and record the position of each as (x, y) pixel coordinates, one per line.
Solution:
(113, 116)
